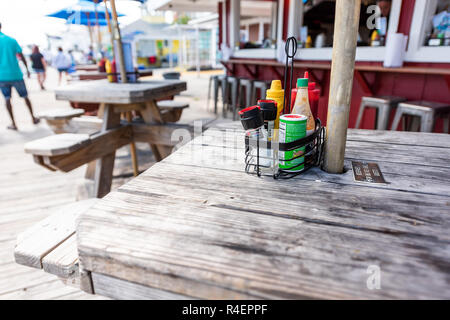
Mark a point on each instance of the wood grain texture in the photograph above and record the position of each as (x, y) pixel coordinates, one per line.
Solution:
(63, 260)
(196, 225)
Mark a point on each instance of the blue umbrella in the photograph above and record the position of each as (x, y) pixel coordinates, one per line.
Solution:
(83, 10)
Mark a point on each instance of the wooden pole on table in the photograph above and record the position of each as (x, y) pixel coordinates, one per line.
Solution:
(109, 28)
(343, 63)
(118, 38)
(123, 73)
(99, 34)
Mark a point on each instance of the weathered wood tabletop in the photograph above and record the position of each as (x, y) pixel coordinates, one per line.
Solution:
(196, 225)
(105, 92)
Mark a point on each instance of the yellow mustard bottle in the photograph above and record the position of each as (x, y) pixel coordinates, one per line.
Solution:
(301, 105)
(276, 93)
(108, 69)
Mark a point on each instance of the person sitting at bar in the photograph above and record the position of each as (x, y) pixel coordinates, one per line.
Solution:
(385, 7)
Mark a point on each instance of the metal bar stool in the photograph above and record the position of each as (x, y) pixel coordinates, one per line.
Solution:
(230, 88)
(383, 106)
(216, 80)
(262, 85)
(247, 85)
(426, 112)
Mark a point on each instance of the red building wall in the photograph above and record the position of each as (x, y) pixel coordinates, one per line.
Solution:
(410, 86)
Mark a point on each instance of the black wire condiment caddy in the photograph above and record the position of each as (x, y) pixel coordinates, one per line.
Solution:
(262, 151)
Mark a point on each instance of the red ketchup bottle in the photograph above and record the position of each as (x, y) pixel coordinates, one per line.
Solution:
(313, 97)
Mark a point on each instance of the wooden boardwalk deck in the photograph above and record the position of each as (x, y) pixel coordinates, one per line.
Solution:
(28, 194)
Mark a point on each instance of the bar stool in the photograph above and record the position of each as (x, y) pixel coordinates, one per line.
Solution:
(426, 112)
(262, 85)
(383, 106)
(230, 85)
(216, 80)
(247, 85)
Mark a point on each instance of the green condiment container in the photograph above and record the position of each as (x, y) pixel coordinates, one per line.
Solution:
(292, 127)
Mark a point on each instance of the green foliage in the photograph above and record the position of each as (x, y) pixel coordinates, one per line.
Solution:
(184, 19)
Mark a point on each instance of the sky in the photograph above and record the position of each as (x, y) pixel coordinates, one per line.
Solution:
(25, 20)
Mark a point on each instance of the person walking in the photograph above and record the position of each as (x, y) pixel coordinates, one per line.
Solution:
(62, 62)
(39, 66)
(11, 76)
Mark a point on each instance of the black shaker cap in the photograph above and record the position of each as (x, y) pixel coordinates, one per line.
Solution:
(251, 117)
(269, 109)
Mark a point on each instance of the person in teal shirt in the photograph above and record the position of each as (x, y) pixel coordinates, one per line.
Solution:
(11, 75)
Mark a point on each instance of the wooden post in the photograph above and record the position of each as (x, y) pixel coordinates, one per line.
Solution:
(111, 33)
(118, 38)
(343, 63)
(134, 159)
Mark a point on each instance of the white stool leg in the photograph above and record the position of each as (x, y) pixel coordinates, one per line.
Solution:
(383, 116)
(427, 122)
(416, 123)
(362, 107)
(216, 93)
(209, 93)
(248, 94)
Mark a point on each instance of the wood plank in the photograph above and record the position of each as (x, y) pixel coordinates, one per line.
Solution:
(123, 290)
(101, 144)
(63, 260)
(61, 114)
(38, 241)
(423, 179)
(421, 139)
(57, 144)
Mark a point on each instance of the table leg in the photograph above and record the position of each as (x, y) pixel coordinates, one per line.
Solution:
(155, 151)
(90, 170)
(153, 114)
(134, 159)
(103, 175)
(105, 165)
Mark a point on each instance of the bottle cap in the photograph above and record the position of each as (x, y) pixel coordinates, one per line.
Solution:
(276, 90)
(251, 117)
(302, 83)
(269, 109)
(306, 75)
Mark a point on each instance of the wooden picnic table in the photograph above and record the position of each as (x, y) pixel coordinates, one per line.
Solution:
(69, 151)
(195, 225)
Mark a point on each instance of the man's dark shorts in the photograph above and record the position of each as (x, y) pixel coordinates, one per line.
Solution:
(5, 87)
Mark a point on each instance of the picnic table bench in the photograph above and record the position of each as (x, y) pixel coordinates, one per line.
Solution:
(67, 152)
(195, 225)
